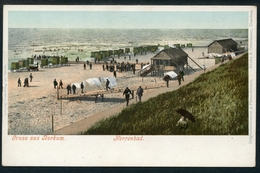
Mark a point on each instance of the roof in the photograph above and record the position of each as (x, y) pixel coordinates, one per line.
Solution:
(172, 52)
(225, 42)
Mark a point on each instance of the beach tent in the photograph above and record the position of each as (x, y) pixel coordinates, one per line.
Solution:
(93, 81)
(172, 74)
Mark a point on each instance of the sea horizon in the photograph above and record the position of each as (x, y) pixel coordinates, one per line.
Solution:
(27, 42)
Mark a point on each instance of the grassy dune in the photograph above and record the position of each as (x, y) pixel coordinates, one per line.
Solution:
(218, 100)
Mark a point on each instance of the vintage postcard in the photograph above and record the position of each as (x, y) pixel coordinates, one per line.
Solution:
(129, 86)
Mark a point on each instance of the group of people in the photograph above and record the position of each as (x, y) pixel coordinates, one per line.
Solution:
(26, 81)
(180, 77)
(69, 87)
(119, 67)
(73, 88)
(88, 63)
(77, 59)
(56, 85)
(127, 92)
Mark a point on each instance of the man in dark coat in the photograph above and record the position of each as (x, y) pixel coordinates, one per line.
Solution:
(115, 74)
(19, 82)
(107, 84)
(82, 87)
(26, 82)
(127, 93)
(182, 74)
(140, 93)
(61, 84)
(74, 88)
(179, 79)
(133, 70)
(166, 79)
(31, 77)
(68, 89)
(55, 83)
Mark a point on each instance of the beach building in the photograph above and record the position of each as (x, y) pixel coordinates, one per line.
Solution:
(223, 46)
(166, 60)
(170, 57)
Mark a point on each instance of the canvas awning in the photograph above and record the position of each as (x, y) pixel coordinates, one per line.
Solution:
(145, 66)
(172, 74)
(93, 81)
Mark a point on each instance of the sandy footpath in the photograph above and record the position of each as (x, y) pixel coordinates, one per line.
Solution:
(30, 109)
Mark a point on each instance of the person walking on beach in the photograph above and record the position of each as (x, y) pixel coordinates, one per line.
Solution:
(84, 65)
(103, 66)
(26, 82)
(179, 79)
(133, 69)
(74, 89)
(182, 74)
(127, 93)
(82, 87)
(107, 84)
(61, 84)
(136, 61)
(115, 74)
(19, 82)
(55, 83)
(140, 93)
(68, 89)
(31, 77)
(90, 65)
(204, 68)
(166, 79)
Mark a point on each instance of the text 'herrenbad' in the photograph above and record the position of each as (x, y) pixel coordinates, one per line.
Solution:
(128, 138)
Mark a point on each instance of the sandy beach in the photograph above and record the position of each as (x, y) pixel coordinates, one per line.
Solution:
(31, 109)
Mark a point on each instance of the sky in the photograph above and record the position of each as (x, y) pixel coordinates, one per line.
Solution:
(129, 19)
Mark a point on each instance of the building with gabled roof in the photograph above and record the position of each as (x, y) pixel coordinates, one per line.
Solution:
(223, 46)
(171, 57)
